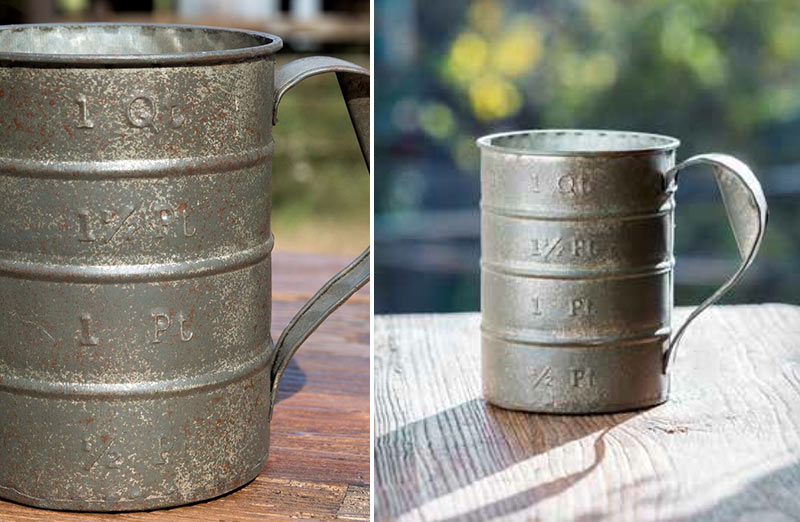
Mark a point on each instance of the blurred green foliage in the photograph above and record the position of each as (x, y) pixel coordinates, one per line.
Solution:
(319, 175)
(735, 62)
(721, 75)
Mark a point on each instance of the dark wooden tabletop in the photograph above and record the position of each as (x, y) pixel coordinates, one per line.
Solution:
(318, 466)
(725, 447)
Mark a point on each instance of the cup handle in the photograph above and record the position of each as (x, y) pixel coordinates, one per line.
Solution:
(747, 213)
(354, 83)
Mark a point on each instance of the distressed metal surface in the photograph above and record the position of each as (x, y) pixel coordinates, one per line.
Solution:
(136, 364)
(576, 266)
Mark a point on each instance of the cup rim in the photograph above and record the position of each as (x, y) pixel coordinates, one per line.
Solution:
(669, 143)
(270, 45)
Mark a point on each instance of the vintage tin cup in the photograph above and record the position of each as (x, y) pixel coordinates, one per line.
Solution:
(137, 369)
(576, 265)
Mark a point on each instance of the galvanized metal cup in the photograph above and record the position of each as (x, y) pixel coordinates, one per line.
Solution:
(137, 369)
(576, 267)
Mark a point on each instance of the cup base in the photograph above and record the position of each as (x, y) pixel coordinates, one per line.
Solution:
(574, 379)
(602, 410)
(146, 504)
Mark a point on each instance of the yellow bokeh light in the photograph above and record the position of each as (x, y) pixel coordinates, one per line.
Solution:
(519, 49)
(468, 56)
(493, 97)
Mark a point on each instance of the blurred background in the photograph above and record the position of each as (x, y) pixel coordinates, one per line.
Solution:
(721, 75)
(320, 183)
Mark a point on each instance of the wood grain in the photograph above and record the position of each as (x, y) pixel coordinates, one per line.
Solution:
(318, 466)
(725, 447)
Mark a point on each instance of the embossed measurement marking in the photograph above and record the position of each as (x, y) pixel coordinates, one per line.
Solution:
(534, 182)
(115, 459)
(545, 376)
(546, 248)
(141, 111)
(575, 185)
(87, 339)
(111, 218)
(582, 377)
(159, 217)
(165, 445)
(174, 115)
(541, 377)
(535, 307)
(94, 455)
(116, 224)
(97, 450)
(83, 119)
(584, 247)
(550, 248)
(162, 322)
(581, 306)
(166, 217)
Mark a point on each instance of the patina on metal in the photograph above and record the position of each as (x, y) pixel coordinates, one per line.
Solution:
(577, 265)
(137, 369)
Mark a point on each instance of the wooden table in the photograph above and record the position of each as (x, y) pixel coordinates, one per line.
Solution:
(725, 447)
(318, 466)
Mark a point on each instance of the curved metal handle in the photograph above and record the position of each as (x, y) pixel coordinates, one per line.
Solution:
(354, 83)
(747, 213)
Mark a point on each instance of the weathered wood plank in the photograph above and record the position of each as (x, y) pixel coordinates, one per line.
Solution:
(725, 447)
(298, 276)
(318, 467)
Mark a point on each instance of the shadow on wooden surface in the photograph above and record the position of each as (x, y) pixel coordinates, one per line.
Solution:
(477, 429)
(775, 497)
(725, 447)
(292, 382)
(772, 498)
(520, 501)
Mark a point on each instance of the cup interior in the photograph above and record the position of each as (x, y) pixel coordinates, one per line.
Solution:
(126, 40)
(577, 142)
